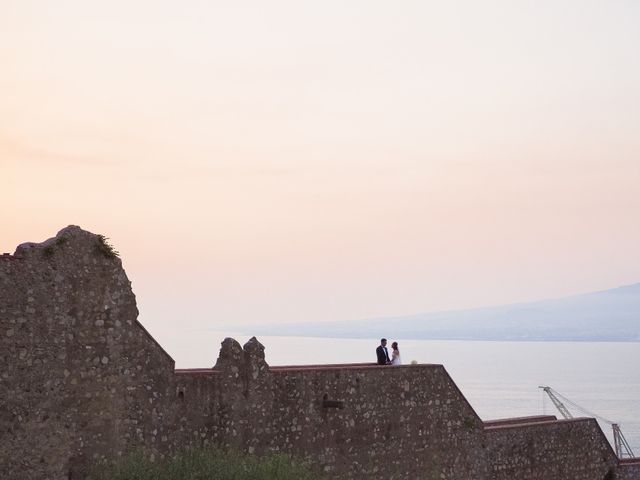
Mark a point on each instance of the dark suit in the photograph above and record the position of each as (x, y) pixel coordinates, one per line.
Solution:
(383, 355)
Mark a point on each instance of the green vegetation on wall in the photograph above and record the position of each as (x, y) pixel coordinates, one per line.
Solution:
(206, 464)
(105, 248)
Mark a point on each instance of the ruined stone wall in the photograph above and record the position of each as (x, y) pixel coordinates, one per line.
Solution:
(80, 377)
(83, 382)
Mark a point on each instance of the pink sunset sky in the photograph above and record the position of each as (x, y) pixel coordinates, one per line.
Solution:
(261, 162)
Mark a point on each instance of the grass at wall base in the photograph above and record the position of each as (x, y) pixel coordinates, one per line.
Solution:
(206, 464)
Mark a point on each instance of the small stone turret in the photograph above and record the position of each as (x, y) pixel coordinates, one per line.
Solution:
(231, 356)
(254, 361)
(242, 367)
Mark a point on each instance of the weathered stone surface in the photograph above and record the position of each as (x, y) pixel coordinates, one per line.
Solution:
(83, 382)
(629, 469)
(73, 388)
(574, 448)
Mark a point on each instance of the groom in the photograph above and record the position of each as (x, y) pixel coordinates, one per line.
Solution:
(382, 353)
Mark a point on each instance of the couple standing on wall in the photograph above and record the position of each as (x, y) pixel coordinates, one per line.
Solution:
(383, 354)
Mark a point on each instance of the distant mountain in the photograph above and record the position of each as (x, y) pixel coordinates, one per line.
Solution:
(609, 315)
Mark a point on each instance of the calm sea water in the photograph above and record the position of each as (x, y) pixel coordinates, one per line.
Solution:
(500, 379)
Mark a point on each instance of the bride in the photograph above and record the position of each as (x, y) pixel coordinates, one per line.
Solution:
(395, 355)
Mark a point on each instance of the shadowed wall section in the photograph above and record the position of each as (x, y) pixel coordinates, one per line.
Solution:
(542, 449)
(629, 469)
(83, 382)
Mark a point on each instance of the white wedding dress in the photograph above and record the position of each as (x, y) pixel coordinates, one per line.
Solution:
(395, 358)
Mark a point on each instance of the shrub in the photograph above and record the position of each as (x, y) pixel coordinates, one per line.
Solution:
(206, 464)
(105, 248)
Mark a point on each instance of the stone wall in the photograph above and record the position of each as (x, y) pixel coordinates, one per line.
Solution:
(629, 469)
(82, 382)
(354, 421)
(81, 378)
(543, 449)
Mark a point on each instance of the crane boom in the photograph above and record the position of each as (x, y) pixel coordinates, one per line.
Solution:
(556, 401)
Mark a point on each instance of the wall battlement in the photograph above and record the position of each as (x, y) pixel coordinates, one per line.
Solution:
(84, 382)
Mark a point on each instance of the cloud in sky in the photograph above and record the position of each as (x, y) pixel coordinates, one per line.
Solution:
(319, 161)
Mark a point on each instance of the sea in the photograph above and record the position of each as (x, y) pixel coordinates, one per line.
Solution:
(499, 379)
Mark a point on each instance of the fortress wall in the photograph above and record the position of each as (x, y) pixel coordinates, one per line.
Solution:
(350, 421)
(409, 422)
(565, 449)
(83, 382)
(196, 414)
(629, 469)
(80, 376)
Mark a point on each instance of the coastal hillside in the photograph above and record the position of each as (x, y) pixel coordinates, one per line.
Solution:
(609, 315)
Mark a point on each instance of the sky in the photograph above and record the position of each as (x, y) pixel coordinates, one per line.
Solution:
(271, 162)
